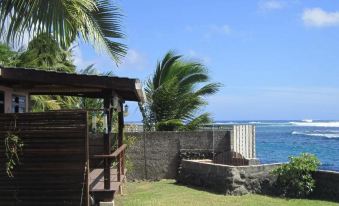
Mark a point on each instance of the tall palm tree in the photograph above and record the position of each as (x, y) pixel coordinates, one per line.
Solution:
(176, 93)
(94, 21)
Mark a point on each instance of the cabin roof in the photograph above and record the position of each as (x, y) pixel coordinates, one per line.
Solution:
(41, 82)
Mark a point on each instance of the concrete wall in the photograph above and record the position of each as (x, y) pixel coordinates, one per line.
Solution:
(8, 98)
(155, 155)
(226, 179)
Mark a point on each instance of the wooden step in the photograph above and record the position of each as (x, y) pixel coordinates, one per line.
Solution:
(96, 184)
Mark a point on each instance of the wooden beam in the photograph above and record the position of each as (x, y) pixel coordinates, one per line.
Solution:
(86, 189)
(44, 77)
(120, 139)
(113, 155)
(121, 125)
(107, 141)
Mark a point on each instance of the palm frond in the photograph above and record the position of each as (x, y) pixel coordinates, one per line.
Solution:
(103, 26)
(208, 89)
(198, 121)
(96, 21)
(172, 94)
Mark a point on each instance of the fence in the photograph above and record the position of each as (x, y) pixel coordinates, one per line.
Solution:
(243, 138)
(52, 169)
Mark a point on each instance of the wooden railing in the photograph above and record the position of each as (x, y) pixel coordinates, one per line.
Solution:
(119, 156)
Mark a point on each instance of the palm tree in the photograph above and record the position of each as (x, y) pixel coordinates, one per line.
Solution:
(94, 21)
(176, 93)
(44, 53)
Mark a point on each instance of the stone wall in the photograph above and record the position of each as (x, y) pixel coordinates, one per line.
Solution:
(226, 179)
(327, 185)
(155, 155)
(239, 180)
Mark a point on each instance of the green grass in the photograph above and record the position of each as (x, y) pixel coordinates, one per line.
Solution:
(167, 193)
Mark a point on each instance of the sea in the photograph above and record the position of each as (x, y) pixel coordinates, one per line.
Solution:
(277, 140)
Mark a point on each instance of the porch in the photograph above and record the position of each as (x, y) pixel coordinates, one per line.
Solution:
(103, 171)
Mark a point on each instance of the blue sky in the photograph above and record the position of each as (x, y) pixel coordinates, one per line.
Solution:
(276, 59)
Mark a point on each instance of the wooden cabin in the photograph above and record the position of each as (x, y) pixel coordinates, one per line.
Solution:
(55, 168)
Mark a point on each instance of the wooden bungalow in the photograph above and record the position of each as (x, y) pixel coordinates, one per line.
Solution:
(56, 163)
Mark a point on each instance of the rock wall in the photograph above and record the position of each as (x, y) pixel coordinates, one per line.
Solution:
(155, 155)
(240, 180)
(327, 185)
(232, 180)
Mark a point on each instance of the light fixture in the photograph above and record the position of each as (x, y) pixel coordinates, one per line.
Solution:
(105, 123)
(115, 102)
(94, 123)
(126, 110)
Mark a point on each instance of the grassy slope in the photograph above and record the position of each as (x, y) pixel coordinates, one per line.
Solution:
(166, 193)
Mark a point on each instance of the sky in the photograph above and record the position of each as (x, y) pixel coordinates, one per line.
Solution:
(276, 59)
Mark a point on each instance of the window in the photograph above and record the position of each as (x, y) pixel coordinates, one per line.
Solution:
(2, 102)
(18, 104)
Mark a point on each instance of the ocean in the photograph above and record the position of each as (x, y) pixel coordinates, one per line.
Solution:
(277, 140)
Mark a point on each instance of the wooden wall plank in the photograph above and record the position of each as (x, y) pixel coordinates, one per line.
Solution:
(52, 169)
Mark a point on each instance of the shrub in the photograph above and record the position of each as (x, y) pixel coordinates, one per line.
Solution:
(295, 178)
(169, 125)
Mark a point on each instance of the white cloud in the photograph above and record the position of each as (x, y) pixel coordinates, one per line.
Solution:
(217, 30)
(317, 17)
(195, 55)
(134, 60)
(267, 5)
(222, 29)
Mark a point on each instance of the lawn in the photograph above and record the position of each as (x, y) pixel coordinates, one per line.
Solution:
(167, 193)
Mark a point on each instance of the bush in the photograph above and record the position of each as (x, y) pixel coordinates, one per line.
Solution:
(295, 178)
(169, 125)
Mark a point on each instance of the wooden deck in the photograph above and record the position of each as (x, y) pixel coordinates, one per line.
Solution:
(96, 184)
(96, 180)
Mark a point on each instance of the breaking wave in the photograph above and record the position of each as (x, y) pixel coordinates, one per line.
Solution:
(327, 134)
(316, 124)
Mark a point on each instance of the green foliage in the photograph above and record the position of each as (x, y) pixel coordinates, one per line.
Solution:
(175, 94)
(295, 178)
(169, 125)
(44, 53)
(129, 141)
(41, 103)
(94, 21)
(13, 147)
(7, 56)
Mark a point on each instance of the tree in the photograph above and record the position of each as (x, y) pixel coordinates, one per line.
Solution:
(94, 21)
(7, 56)
(175, 94)
(44, 53)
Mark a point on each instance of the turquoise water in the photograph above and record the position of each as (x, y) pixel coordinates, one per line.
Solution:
(277, 140)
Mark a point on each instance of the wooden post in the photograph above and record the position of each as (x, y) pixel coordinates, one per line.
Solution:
(87, 163)
(120, 140)
(121, 125)
(107, 141)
